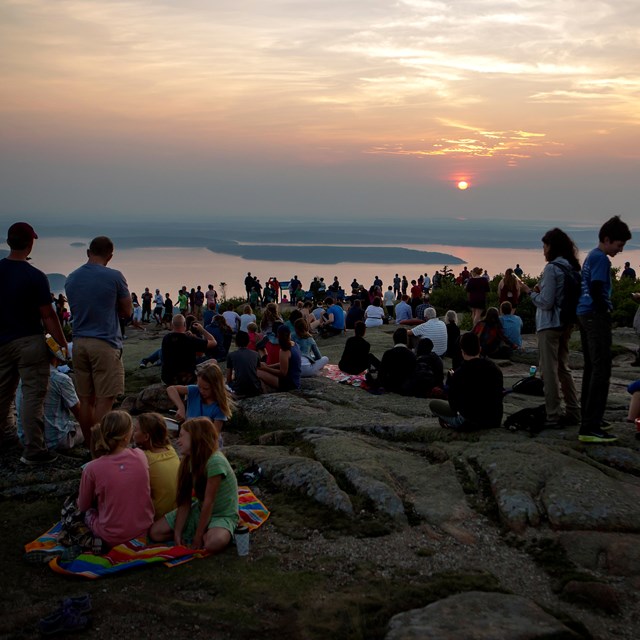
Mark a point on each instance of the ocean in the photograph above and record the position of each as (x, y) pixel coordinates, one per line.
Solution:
(169, 268)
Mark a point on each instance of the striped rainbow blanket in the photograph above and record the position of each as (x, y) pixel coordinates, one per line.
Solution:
(135, 553)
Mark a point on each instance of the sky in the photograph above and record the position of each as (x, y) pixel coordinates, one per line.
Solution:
(343, 109)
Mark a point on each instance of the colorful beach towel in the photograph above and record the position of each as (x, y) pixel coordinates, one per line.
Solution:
(136, 552)
(332, 371)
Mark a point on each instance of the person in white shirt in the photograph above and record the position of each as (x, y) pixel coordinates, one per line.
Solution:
(389, 298)
(433, 328)
(374, 314)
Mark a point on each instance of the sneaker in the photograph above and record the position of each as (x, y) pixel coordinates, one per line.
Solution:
(64, 620)
(42, 457)
(80, 604)
(597, 436)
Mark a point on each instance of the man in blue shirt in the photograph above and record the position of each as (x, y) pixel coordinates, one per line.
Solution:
(511, 323)
(98, 297)
(333, 320)
(594, 319)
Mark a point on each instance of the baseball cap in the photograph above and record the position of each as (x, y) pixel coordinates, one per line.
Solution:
(21, 231)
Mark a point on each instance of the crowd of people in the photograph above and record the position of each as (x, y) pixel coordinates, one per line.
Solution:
(195, 499)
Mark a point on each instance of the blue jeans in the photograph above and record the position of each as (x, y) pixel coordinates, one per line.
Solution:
(595, 335)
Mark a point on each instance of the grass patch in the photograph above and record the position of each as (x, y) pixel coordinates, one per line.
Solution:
(295, 516)
(551, 556)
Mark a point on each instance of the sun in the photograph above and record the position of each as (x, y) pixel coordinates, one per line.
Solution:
(462, 185)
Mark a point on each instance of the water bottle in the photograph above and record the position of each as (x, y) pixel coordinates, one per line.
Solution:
(241, 537)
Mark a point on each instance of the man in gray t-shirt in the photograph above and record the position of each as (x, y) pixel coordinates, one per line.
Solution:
(98, 297)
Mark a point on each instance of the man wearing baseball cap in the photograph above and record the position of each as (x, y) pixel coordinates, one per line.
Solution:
(23, 350)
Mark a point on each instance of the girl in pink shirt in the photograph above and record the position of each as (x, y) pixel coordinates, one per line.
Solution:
(114, 488)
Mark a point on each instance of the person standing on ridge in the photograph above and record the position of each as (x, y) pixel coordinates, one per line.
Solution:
(98, 297)
(594, 319)
(23, 350)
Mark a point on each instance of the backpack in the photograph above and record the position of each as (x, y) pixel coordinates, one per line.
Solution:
(529, 419)
(529, 386)
(571, 287)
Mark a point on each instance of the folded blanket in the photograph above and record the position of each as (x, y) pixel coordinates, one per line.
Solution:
(134, 553)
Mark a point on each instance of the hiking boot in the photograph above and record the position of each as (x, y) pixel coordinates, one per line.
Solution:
(597, 436)
(42, 457)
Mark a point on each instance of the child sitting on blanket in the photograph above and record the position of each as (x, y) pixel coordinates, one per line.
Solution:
(150, 434)
(209, 519)
(114, 488)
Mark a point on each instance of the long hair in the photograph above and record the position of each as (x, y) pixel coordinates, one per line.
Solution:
(284, 338)
(154, 426)
(302, 328)
(110, 433)
(192, 474)
(270, 316)
(492, 317)
(510, 281)
(212, 375)
(561, 246)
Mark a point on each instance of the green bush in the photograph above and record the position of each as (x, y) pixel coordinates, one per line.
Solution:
(449, 296)
(624, 306)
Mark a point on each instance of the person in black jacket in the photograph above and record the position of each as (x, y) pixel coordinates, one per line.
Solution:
(397, 365)
(355, 357)
(475, 391)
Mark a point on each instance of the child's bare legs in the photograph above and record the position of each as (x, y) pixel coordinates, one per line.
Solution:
(216, 539)
(160, 531)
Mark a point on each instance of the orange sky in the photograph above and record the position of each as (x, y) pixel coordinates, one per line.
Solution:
(346, 107)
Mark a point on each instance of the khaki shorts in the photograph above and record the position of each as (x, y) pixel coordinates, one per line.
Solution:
(98, 368)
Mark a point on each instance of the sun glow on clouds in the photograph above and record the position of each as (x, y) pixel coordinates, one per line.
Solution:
(325, 81)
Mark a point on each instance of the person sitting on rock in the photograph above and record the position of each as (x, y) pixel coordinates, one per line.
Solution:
(333, 321)
(475, 391)
(61, 405)
(180, 350)
(429, 371)
(285, 374)
(354, 314)
(434, 329)
(453, 338)
(242, 368)
(511, 324)
(312, 360)
(208, 397)
(397, 365)
(494, 343)
(355, 357)
(404, 314)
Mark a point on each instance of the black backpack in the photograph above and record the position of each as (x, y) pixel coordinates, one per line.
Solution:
(572, 287)
(530, 419)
